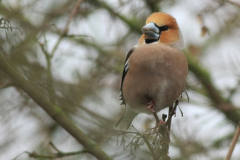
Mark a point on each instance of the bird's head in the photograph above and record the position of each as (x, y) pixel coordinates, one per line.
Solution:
(162, 28)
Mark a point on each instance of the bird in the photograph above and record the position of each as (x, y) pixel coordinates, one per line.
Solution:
(155, 70)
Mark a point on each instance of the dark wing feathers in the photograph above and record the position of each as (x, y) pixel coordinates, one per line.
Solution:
(125, 70)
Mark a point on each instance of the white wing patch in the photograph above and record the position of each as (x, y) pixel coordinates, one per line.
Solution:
(126, 66)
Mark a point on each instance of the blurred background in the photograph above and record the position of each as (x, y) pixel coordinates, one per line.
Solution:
(76, 62)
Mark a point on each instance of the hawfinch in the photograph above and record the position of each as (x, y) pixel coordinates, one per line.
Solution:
(155, 70)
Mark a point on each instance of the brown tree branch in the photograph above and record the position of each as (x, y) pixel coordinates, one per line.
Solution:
(9, 84)
(218, 101)
(171, 112)
(233, 144)
(53, 111)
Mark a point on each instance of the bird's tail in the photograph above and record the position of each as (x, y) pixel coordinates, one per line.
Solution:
(126, 119)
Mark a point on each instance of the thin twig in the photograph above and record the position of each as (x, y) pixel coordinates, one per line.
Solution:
(74, 11)
(137, 138)
(149, 147)
(185, 91)
(52, 110)
(49, 56)
(157, 140)
(172, 111)
(52, 156)
(156, 117)
(234, 142)
(55, 155)
(51, 89)
(169, 120)
(59, 153)
(54, 147)
(65, 30)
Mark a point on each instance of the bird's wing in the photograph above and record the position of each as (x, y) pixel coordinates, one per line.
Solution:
(125, 70)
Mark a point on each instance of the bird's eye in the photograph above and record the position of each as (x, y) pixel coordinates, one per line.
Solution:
(164, 28)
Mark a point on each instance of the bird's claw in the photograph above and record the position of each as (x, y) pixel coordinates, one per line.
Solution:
(151, 107)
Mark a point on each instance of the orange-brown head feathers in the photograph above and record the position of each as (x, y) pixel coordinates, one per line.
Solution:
(162, 28)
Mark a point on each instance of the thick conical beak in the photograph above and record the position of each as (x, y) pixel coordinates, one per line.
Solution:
(151, 31)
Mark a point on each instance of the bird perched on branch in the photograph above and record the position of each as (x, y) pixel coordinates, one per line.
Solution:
(155, 70)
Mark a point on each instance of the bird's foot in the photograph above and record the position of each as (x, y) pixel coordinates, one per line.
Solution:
(151, 107)
(159, 125)
(161, 122)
